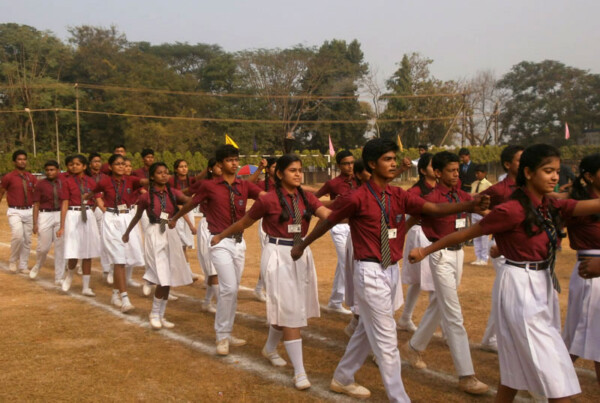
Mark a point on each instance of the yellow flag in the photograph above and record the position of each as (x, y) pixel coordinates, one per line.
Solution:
(400, 144)
(228, 140)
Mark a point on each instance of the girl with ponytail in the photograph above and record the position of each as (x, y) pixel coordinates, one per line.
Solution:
(292, 296)
(582, 327)
(531, 351)
(165, 262)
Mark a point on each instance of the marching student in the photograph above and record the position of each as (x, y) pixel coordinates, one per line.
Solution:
(118, 149)
(446, 268)
(95, 172)
(500, 193)
(416, 276)
(18, 186)
(339, 234)
(144, 173)
(531, 351)
(118, 195)
(225, 200)
(481, 244)
(292, 296)
(582, 326)
(78, 224)
(376, 216)
(165, 263)
(46, 221)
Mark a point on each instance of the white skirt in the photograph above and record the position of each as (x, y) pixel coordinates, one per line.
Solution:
(291, 286)
(184, 231)
(165, 261)
(118, 252)
(82, 240)
(582, 326)
(416, 273)
(531, 352)
(203, 236)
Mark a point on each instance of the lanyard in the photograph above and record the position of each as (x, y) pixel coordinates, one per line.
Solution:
(162, 199)
(182, 184)
(381, 206)
(118, 197)
(453, 197)
(82, 186)
(232, 189)
(290, 209)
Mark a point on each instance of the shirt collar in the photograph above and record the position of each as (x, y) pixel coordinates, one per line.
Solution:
(377, 189)
(443, 189)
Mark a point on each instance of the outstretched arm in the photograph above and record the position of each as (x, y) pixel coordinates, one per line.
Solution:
(234, 228)
(418, 254)
(186, 208)
(321, 228)
(587, 207)
(133, 223)
(479, 205)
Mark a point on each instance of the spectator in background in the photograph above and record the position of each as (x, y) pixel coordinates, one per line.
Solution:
(466, 172)
(422, 150)
(481, 243)
(565, 178)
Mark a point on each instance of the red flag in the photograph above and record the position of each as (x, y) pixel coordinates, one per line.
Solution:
(331, 150)
(567, 135)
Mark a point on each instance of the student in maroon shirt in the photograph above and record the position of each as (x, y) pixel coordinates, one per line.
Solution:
(531, 351)
(182, 181)
(18, 186)
(95, 172)
(78, 224)
(225, 199)
(165, 262)
(148, 160)
(376, 215)
(46, 221)
(118, 149)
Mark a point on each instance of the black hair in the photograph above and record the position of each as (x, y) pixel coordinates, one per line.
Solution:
(115, 157)
(94, 155)
(211, 163)
(282, 163)
(52, 163)
(187, 176)
(359, 167)
(424, 146)
(534, 157)
(581, 187)
(226, 151)
(270, 161)
(464, 151)
(119, 146)
(170, 194)
(147, 151)
(81, 158)
(480, 168)
(341, 155)
(508, 154)
(422, 166)
(375, 148)
(68, 159)
(17, 153)
(443, 158)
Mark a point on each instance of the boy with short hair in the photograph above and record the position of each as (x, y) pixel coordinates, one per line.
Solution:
(482, 243)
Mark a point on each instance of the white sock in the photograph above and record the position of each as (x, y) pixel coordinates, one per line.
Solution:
(294, 351)
(156, 303)
(259, 285)
(125, 298)
(128, 273)
(273, 339)
(86, 281)
(209, 294)
(115, 291)
(163, 307)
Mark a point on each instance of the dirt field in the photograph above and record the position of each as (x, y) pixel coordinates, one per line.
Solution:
(67, 347)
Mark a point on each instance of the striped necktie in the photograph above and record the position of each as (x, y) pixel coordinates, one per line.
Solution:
(237, 236)
(297, 220)
(162, 197)
(24, 180)
(386, 257)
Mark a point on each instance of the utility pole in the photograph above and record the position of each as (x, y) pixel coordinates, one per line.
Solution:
(77, 117)
(57, 138)
(32, 129)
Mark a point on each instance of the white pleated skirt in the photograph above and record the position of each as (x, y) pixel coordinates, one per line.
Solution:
(531, 351)
(582, 326)
(184, 231)
(165, 261)
(82, 239)
(203, 236)
(291, 286)
(117, 251)
(416, 273)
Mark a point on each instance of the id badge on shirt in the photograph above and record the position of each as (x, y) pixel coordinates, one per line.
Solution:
(122, 207)
(460, 223)
(294, 228)
(164, 216)
(392, 233)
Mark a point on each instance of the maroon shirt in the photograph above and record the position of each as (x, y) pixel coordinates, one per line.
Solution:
(438, 227)
(12, 182)
(337, 186)
(71, 189)
(506, 223)
(182, 185)
(269, 208)
(126, 187)
(144, 202)
(584, 232)
(141, 173)
(216, 194)
(261, 184)
(364, 214)
(500, 192)
(105, 169)
(44, 194)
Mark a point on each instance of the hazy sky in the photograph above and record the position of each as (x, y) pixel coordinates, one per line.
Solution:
(461, 36)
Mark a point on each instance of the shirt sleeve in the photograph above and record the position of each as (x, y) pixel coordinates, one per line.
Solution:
(413, 204)
(313, 201)
(200, 193)
(4, 182)
(566, 207)
(325, 189)
(36, 194)
(142, 202)
(253, 190)
(65, 191)
(345, 208)
(502, 218)
(258, 209)
(135, 182)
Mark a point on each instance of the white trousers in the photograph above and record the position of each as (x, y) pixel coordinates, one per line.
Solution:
(481, 244)
(21, 227)
(228, 259)
(104, 260)
(444, 306)
(339, 235)
(374, 291)
(48, 226)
